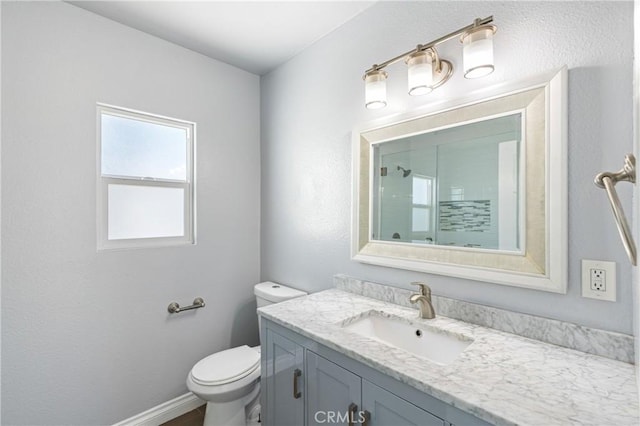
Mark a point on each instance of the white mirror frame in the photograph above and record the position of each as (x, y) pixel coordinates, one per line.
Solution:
(417, 257)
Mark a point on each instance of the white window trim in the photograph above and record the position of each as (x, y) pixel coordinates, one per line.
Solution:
(189, 186)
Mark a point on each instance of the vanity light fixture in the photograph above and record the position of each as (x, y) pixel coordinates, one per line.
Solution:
(420, 71)
(477, 51)
(427, 71)
(375, 82)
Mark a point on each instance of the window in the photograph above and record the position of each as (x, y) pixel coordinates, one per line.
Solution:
(145, 179)
(422, 195)
(456, 193)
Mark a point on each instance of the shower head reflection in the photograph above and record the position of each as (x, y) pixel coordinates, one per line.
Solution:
(405, 172)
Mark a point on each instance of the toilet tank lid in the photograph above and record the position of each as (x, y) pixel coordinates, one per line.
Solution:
(275, 292)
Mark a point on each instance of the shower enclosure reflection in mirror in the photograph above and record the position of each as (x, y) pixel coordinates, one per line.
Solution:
(474, 188)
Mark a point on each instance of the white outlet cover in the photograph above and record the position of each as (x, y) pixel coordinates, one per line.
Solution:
(610, 280)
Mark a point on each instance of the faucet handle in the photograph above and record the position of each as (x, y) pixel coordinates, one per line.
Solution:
(424, 288)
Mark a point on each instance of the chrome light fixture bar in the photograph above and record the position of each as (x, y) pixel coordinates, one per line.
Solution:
(426, 70)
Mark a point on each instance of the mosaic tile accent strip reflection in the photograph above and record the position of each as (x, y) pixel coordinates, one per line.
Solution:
(465, 216)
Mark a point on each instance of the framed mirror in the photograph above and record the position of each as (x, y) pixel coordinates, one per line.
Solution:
(474, 188)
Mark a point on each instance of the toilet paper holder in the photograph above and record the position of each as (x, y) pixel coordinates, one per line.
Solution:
(175, 308)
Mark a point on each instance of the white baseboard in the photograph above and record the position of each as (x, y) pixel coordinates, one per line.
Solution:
(164, 412)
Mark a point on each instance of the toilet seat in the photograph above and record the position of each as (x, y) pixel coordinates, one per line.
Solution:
(226, 367)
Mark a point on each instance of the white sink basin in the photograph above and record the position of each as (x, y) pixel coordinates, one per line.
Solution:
(438, 346)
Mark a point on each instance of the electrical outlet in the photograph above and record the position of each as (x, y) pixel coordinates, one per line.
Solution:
(599, 280)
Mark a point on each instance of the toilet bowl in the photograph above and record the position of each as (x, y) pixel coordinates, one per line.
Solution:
(229, 381)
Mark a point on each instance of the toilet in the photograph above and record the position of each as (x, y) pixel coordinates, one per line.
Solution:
(229, 381)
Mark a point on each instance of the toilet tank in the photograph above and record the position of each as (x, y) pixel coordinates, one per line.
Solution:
(269, 292)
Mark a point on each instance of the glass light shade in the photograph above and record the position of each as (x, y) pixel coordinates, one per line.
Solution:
(375, 89)
(477, 51)
(419, 73)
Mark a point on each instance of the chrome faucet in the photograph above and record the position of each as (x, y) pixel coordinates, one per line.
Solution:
(424, 301)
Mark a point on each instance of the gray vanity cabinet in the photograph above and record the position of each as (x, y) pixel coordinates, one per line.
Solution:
(305, 383)
(337, 392)
(385, 409)
(282, 381)
(332, 391)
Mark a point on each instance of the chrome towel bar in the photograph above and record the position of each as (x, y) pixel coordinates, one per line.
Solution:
(174, 308)
(608, 181)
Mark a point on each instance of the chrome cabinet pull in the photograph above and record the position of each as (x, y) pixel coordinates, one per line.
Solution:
(367, 417)
(296, 373)
(353, 409)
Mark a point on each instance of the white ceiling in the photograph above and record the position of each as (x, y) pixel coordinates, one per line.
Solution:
(256, 36)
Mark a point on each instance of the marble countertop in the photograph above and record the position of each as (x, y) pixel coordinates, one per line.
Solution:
(501, 378)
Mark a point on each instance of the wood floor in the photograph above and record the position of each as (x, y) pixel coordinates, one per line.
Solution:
(192, 418)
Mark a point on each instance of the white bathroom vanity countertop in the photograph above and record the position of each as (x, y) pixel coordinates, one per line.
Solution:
(501, 378)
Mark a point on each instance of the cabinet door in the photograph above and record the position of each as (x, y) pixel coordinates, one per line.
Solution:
(384, 408)
(333, 393)
(283, 382)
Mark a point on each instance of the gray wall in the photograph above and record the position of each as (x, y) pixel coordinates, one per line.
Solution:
(86, 337)
(310, 105)
(636, 193)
